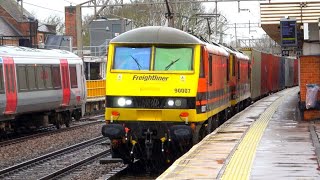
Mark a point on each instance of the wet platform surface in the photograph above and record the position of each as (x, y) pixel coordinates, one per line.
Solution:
(266, 140)
(286, 149)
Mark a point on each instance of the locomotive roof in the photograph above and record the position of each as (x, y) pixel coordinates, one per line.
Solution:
(156, 34)
(217, 49)
(25, 51)
(237, 53)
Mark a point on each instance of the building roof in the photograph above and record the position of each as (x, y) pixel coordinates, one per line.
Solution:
(7, 30)
(14, 9)
(46, 28)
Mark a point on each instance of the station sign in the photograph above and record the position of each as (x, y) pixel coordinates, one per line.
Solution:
(285, 52)
(288, 32)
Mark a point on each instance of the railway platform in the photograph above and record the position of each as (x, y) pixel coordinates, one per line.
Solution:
(267, 140)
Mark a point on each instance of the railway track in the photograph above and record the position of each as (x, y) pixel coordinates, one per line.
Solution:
(133, 172)
(59, 162)
(45, 133)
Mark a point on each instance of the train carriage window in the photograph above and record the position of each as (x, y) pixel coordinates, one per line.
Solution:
(56, 77)
(132, 58)
(48, 79)
(210, 69)
(73, 76)
(173, 59)
(40, 77)
(31, 77)
(22, 78)
(1, 80)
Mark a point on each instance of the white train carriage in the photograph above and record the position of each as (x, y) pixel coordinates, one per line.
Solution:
(38, 87)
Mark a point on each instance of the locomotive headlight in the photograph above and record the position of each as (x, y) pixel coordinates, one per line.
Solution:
(170, 102)
(128, 102)
(121, 102)
(177, 102)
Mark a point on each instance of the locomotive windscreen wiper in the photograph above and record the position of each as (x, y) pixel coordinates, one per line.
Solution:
(167, 67)
(139, 66)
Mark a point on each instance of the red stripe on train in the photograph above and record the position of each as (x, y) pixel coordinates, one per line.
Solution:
(65, 82)
(10, 85)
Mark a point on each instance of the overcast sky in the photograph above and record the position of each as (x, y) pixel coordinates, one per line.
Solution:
(250, 11)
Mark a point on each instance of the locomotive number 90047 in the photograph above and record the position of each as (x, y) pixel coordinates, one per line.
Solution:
(181, 90)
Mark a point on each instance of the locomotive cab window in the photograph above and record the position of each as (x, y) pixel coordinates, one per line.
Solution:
(132, 58)
(173, 59)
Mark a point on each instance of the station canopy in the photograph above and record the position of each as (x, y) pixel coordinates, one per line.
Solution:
(271, 14)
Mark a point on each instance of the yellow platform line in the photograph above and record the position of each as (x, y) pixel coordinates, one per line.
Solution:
(239, 166)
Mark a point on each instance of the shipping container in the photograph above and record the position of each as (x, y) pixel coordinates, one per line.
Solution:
(255, 76)
(264, 73)
(282, 74)
(275, 73)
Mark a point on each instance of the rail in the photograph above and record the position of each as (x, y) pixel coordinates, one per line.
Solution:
(58, 162)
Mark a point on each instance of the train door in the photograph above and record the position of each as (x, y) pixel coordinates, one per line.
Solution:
(65, 82)
(10, 85)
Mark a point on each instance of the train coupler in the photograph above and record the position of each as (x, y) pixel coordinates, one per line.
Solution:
(148, 143)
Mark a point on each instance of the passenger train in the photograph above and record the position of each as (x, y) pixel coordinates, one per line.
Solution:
(167, 89)
(38, 87)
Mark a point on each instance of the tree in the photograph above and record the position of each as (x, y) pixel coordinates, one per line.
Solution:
(85, 31)
(143, 13)
(185, 16)
(57, 21)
